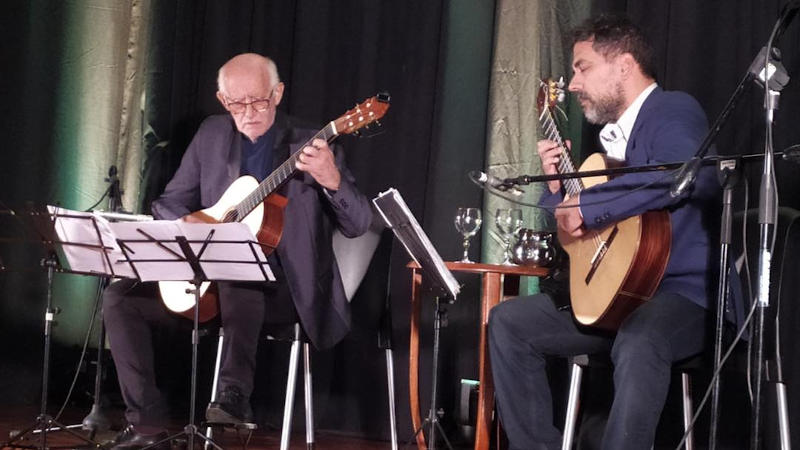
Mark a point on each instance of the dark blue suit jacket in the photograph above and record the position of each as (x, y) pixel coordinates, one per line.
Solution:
(669, 128)
(213, 161)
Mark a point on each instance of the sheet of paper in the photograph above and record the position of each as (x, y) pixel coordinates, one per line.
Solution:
(155, 253)
(226, 257)
(82, 237)
(398, 216)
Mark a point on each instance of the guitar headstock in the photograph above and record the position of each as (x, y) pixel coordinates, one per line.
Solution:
(551, 93)
(367, 112)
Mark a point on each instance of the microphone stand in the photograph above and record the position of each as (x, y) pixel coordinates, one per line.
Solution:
(97, 420)
(767, 208)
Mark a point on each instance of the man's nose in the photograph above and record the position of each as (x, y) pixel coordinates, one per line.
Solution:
(573, 84)
(249, 110)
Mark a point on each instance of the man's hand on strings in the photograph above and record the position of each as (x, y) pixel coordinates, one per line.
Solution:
(317, 159)
(550, 154)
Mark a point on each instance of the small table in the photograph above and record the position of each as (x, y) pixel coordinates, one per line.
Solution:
(491, 293)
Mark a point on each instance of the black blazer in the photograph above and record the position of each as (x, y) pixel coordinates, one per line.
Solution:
(213, 161)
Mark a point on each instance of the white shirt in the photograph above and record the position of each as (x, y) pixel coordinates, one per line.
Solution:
(614, 136)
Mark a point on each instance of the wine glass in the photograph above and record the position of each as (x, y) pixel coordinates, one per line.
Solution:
(468, 222)
(509, 222)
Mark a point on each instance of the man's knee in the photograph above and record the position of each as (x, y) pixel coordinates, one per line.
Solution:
(640, 348)
(512, 316)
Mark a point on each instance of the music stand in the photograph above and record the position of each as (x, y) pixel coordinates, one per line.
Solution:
(65, 235)
(398, 217)
(198, 253)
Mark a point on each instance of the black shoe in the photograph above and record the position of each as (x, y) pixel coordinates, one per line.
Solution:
(230, 408)
(130, 439)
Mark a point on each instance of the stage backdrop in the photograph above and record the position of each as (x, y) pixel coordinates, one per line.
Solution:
(90, 84)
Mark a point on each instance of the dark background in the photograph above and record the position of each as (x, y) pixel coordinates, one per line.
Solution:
(434, 58)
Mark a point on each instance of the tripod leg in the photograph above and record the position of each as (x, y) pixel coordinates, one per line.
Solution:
(441, 430)
(96, 420)
(418, 431)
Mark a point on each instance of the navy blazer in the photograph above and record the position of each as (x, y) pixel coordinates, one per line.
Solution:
(213, 161)
(669, 128)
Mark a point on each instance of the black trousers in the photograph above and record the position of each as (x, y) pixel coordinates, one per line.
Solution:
(132, 310)
(524, 330)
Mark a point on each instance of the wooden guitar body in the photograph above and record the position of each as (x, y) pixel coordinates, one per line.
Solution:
(266, 223)
(615, 269)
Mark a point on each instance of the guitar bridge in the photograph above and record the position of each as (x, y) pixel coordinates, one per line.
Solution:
(598, 256)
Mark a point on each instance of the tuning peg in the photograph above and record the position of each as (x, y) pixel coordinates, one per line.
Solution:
(560, 83)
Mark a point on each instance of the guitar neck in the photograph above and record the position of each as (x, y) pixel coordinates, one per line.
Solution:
(278, 176)
(573, 186)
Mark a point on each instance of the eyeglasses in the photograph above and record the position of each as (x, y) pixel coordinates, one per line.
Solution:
(258, 105)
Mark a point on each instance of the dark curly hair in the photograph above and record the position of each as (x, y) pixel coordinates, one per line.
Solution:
(613, 35)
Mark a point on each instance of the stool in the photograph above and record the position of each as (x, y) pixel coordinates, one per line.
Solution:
(298, 339)
(579, 362)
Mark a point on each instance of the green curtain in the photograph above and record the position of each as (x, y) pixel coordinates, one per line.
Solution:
(99, 117)
(80, 80)
(531, 43)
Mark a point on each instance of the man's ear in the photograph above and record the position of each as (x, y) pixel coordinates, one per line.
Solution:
(221, 98)
(278, 93)
(627, 64)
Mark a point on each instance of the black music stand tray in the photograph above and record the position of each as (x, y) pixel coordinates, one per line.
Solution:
(398, 217)
(91, 243)
(197, 253)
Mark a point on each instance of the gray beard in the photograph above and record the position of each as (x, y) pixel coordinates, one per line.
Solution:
(604, 110)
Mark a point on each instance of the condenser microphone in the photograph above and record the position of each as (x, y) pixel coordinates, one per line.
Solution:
(486, 180)
(685, 177)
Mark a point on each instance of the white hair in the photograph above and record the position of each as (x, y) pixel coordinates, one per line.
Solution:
(262, 62)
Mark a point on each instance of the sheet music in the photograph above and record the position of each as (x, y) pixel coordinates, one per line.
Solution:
(80, 243)
(82, 238)
(398, 216)
(165, 261)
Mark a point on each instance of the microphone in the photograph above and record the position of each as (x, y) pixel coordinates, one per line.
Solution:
(792, 154)
(485, 180)
(775, 77)
(685, 178)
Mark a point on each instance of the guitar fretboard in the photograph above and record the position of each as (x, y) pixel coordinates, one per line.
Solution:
(279, 175)
(573, 186)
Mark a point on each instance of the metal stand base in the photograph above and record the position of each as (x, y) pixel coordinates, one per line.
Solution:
(43, 426)
(434, 414)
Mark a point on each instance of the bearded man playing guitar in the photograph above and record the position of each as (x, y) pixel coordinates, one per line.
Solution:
(252, 139)
(614, 80)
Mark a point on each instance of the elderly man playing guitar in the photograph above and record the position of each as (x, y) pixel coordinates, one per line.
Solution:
(311, 193)
(615, 83)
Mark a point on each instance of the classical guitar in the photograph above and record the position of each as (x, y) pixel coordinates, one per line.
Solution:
(615, 269)
(259, 207)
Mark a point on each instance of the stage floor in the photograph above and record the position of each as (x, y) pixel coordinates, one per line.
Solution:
(19, 418)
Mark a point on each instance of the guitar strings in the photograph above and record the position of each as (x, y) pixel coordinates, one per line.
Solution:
(279, 175)
(573, 186)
